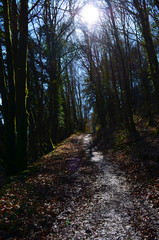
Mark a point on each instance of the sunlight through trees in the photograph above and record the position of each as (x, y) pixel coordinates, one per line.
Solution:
(62, 61)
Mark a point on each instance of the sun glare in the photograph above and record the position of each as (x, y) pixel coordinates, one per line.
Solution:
(89, 14)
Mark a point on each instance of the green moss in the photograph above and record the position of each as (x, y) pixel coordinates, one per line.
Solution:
(35, 166)
(156, 132)
(120, 137)
(25, 172)
(53, 146)
(150, 180)
(98, 127)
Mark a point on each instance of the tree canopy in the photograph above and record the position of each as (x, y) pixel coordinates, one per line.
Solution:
(59, 73)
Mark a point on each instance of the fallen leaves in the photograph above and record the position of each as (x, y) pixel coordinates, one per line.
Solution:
(27, 203)
(33, 207)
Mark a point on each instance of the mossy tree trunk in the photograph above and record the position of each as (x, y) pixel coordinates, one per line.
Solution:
(10, 121)
(14, 102)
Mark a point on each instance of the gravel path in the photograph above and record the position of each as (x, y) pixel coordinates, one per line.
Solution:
(107, 209)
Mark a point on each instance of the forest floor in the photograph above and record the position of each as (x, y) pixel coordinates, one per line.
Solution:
(90, 187)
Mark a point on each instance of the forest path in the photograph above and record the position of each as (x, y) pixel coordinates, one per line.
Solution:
(73, 193)
(108, 209)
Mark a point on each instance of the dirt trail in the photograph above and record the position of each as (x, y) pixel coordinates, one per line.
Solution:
(108, 210)
(76, 193)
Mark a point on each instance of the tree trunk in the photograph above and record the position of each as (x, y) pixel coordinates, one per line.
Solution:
(21, 89)
(3, 88)
(10, 124)
(126, 86)
(146, 90)
(117, 100)
(152, 57)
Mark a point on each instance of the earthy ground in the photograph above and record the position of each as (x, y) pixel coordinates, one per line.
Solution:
(86, 189)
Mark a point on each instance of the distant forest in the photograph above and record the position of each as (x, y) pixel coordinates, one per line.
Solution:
(57, 73)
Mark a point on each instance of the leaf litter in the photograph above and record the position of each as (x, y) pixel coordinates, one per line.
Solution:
(78, 192)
